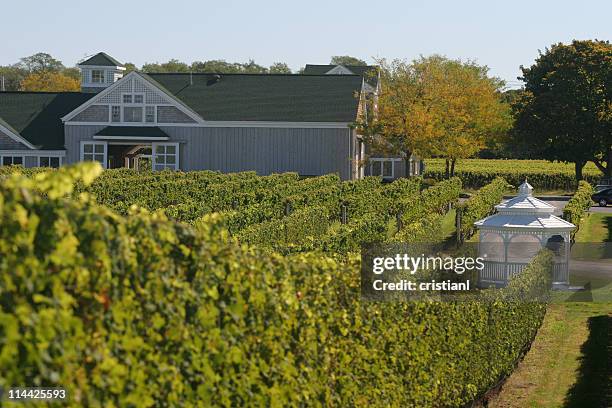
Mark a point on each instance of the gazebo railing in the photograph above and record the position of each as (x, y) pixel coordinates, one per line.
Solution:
(501, 272)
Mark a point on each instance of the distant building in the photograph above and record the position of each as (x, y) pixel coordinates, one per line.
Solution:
(214, 121)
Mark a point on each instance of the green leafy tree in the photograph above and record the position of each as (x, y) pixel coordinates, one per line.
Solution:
(279, 68)
(435, 106)
(41, 62)
(173, 65)
(11, 77)
(346, 60)
(566, 111)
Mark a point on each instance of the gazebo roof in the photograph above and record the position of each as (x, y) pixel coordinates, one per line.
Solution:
(525, 221)
(525, 203)
(525, 213)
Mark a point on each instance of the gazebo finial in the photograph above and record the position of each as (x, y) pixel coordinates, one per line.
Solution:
(525, 189)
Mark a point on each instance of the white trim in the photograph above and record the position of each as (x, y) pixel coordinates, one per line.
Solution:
(16, 137)
(107, 67)
(152, 138)
(31, 153)
(177, 154)
(227, 124)
(105, 153)
(61, 159)
(340, 70)
(381, 160)
(2, 156)
(131, 76)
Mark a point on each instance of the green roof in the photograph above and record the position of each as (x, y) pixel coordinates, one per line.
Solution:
(266, 97)
(36, 116)
(102, 59)
(138, 131)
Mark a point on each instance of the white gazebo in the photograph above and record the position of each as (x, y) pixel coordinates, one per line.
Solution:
(510, 238)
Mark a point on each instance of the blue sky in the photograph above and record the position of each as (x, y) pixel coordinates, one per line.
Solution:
(500, 34)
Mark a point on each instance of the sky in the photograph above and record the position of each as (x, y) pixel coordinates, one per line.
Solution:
(500, 34)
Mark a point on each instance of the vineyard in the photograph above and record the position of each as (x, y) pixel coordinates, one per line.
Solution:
(205, 289)
(542, 174)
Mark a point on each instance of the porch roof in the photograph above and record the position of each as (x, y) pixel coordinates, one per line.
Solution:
(132, 133)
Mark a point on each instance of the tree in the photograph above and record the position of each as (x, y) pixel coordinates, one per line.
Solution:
(50, 82)
(435, 106)
(40, 62)
(566, 111)
(11, 77)
(173, 65)
(279, 68)
(346, 60)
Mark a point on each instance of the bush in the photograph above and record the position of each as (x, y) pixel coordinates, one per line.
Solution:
(578, 205)
(142, 311)
(480, 205)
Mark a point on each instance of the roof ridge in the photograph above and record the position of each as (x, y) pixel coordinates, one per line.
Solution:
(247, 74)
(43, 92)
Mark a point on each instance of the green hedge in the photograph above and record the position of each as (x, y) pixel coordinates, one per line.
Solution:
(140, 311)
(578, 206)
(479, 205)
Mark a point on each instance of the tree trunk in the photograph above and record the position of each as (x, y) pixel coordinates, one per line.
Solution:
(452, 169)
(447, 169)
(578, 167)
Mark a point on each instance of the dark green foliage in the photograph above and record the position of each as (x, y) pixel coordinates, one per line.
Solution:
(578, 206)
(480, 205)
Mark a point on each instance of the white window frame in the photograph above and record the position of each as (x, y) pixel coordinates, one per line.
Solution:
(12, 156)
(94, 143)
(380, 162)
(110, 109)
(50, 157)
(154, 147)
(103, 77)
(154, 113)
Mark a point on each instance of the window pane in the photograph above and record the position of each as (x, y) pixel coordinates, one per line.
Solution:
(18, 160)
(171, 159)
(376, 168)
(55, 162)
(159, 167)
(99, 157)
(88, 157)
(116, 114)
(160, 149)
(99, 148)
(44, 162)
(387, 168)
(127, 98)
(6, 161)
(132, 114)
(88, 148)
(97, 76)
(150, 114)
(170, 149)
(138, 99)
(160, 159)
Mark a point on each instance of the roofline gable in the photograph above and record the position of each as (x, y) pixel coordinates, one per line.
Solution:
(10, 132)
(179, 104)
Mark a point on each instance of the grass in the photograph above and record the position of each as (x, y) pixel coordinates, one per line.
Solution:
(569, 362)
(597, 227)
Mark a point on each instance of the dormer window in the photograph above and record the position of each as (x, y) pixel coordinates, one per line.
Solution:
(97, 76)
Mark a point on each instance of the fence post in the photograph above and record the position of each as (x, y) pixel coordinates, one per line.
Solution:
(459, 237)
(398, 220)
(287, 208)
(343, 214)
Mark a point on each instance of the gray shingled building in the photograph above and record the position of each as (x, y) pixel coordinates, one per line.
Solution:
(225, 122)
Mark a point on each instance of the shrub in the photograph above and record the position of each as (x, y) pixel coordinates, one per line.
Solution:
(578, 205)
(480, 205)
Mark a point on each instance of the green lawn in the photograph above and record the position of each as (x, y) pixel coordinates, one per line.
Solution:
(597, 227)
(569, 362)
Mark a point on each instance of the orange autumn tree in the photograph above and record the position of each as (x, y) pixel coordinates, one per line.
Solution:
(50, 82)
(435, 106)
